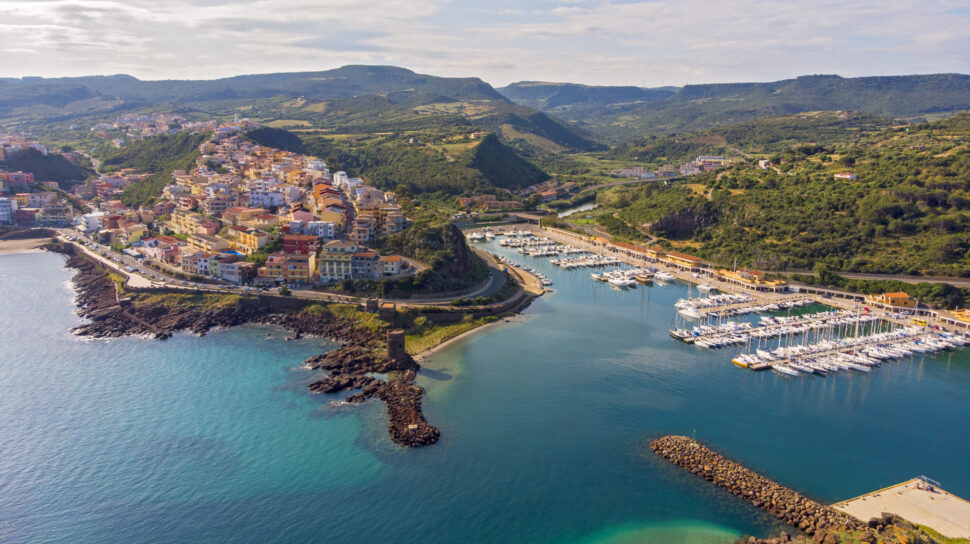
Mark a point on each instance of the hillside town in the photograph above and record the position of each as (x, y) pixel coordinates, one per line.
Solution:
(245, 214)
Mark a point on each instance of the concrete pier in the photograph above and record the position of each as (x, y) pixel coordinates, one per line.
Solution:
(918, 501)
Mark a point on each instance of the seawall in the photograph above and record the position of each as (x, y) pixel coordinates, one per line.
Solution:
(781, 502)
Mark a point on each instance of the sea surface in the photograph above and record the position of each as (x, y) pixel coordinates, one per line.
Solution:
(544, 425)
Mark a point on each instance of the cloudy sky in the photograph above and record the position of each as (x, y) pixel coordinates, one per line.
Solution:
(587, 41)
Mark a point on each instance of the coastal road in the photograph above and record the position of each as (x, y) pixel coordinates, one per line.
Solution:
(495, 282)
(956, 282)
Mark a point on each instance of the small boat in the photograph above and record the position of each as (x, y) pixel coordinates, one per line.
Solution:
(740, 362)
(785, 370)
(664, 276)
(643, 278)
(707, 288)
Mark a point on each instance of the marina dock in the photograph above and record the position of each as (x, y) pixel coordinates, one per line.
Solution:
(850, 336)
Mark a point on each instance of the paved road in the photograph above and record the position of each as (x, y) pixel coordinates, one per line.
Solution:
(495, 282)
(145, 277)
(957, 282)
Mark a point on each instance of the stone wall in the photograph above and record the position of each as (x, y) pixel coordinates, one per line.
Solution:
(824, 522)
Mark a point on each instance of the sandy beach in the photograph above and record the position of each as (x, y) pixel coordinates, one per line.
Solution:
(20, 246)
(432, 350)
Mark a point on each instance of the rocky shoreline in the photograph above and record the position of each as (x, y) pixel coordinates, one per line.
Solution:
(361, 350)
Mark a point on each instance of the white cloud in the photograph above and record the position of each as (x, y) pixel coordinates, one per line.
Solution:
(596, 41)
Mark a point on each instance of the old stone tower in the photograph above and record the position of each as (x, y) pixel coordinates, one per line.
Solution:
(395, 345)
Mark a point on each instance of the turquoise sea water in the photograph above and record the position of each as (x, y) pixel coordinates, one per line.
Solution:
(544, 422)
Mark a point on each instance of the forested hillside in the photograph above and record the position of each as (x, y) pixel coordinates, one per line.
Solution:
(769, 134)
(158, 156)
(50, 167)
(423, 162)
(907, 211)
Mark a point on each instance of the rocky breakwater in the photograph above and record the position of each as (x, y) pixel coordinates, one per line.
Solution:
(822, 523)
(347, 369)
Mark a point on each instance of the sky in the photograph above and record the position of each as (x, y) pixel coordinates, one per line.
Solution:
(598, 42)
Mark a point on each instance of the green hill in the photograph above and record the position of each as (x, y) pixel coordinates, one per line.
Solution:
(763, 135)
(158, 156)
(908, 211)
(428, 163)
(50, 167)
(348, 99)
(620, 112)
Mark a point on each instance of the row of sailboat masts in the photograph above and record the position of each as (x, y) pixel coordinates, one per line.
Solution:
(831, 332)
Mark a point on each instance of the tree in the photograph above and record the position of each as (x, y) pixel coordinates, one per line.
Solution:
(284, 291)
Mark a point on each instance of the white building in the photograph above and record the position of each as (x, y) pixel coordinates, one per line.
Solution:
(91, 222)
(265, 199)
(340, 179)
(7, 207)
(322, 229)
(263, 184)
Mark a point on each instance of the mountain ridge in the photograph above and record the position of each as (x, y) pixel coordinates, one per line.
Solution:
(702, 106)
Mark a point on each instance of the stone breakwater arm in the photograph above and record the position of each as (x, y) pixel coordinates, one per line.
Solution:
(781, 502)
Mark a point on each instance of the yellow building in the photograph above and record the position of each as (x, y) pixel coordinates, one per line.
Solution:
(211, 244)
(289, 268)
(336, 218)
(754, 279)
(183, 222)
(895, 300)
(251, 240)
(683, 260)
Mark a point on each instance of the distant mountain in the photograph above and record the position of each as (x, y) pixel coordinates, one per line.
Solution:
(363, 98)
(564, 96)
(619, 113)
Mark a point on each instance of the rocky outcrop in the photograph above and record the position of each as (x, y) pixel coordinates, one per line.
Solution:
(814, 519)
(361, 351)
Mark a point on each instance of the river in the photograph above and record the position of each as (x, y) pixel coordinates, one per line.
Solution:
(582, 208)
(544, 422)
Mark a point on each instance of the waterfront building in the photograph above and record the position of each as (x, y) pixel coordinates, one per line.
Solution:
(335, 260)
(56, 215)
(91, 222)
(7, 207)
(897, 300)
(288, 269)
(751, 279)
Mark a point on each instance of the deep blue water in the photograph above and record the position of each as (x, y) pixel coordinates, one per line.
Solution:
(544, 422)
